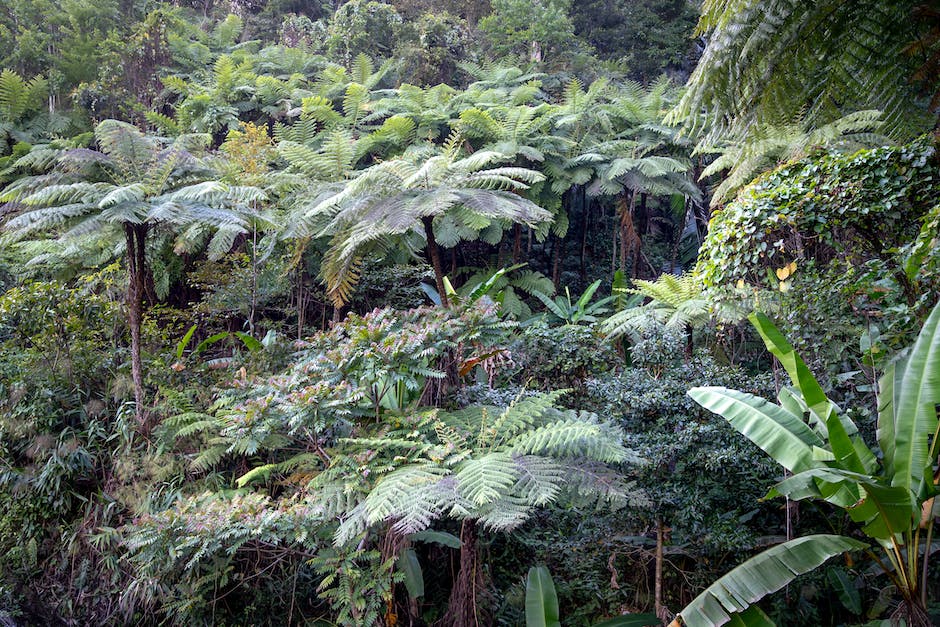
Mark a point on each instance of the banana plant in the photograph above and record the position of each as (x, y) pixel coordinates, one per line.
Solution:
(891, 498)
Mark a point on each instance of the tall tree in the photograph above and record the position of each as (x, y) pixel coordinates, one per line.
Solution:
(131, 185)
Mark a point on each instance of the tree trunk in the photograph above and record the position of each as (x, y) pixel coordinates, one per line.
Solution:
(556, 261)
(629, 240)
(435, 254)
(462, 606)
(535, 52)
(516, 243)
(585, 224)
(135, 290)
(658, 582)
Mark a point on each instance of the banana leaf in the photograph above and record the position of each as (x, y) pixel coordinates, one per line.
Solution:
(541, 602)
(761, 575)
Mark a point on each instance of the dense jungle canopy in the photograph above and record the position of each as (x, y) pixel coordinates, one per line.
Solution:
(497, 312)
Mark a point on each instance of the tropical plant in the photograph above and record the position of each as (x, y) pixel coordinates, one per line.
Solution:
(22, 110)
(131, 186)
(768, 145)
(504, 287)
(450, 198)
(577, 311)
(642, 158)
(541, 605)
(770, 63)
(524, 134)
(824, 207)
(891, 498)
(541, 602)
(486, 466)
(677, 302)
(730, 599)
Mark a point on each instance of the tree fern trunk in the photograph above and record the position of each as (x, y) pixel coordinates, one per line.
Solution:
(556, 261)
(462, 608)
(658, 582)
(134, 302)
(585, 225)
(435, 254)
(516, 243)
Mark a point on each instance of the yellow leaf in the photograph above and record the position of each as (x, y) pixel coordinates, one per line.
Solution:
(785, 285)
(787, 271)
(740, 284)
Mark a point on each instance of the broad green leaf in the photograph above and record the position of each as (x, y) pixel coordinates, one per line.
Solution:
(886, 404)
(209, 341)
(916, 395)
(776, 431)
(885, 510)
(250, 343)
(800, 375)
(845, 589)
(541, 602)
(761, 575)
(828, 484)
(438, 537)
(414, 577)
(551, 305)
(843, 447)
(183, 343)
(751, 617)
(588, 295)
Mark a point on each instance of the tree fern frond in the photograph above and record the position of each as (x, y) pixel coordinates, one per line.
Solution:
(574, 437)
(487, 478)
(539, 479)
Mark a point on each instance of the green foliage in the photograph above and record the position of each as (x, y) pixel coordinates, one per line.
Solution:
(505, 287)
(363, 26)
(289, 149)
(830, 461)
(766, 146)
(821, 207)
(358, 584)
(528, 28)
(442, 41)
(184, 556)
(549, 357)
(541, 602)
(454, 197)
(674, 302)
(486, 464)
(729, 599)
(645, 38)
(569, 312)
(771, 62)
(699, 471)
(62, 426)
(132, 180)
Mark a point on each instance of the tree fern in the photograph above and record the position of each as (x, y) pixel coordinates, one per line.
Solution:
(765, 146)
(674, 301)
(134, 182)
(395, 197)
(490, 464)
(766, 63)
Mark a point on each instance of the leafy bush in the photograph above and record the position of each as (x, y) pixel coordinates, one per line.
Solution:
(826, 207)
(559, 357)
